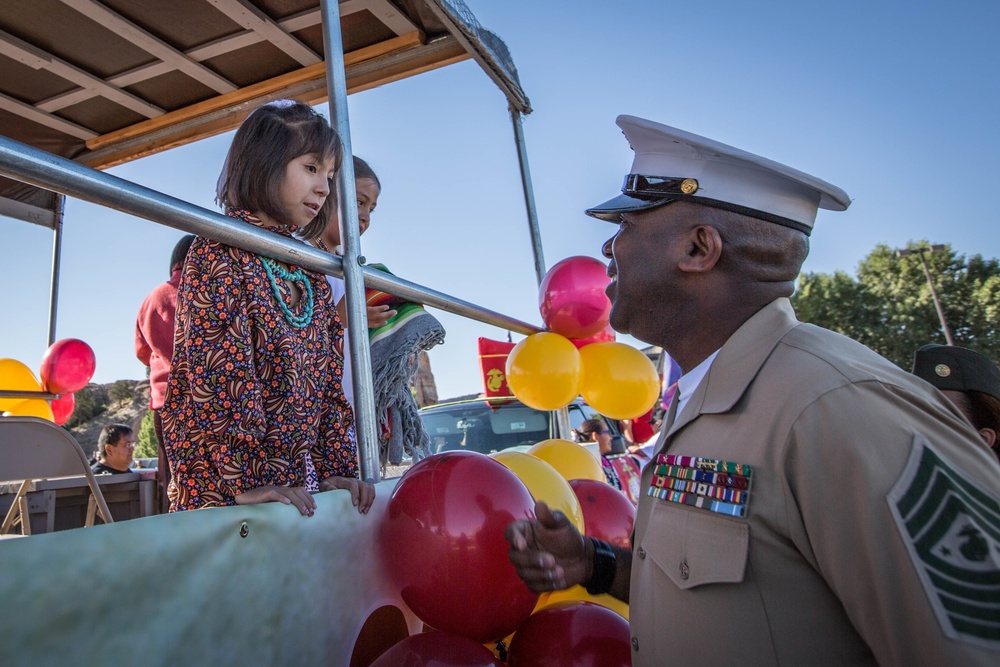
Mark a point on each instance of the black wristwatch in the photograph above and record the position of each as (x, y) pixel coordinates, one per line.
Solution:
(605, 563)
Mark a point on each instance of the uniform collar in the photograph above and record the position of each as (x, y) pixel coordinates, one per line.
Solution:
(739, 361)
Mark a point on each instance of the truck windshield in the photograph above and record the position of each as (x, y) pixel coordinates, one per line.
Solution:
(485, 429)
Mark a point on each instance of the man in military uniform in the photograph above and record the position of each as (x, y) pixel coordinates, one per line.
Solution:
(808, 503)
(969, 380)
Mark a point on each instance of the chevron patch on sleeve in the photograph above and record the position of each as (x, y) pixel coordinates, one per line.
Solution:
(952, 531)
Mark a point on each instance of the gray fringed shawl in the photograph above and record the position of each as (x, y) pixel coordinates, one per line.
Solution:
(395, 347)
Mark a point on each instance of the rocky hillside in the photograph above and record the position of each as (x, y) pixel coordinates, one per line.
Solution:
(121, 402)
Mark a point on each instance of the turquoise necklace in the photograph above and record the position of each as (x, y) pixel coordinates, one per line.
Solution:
(273, 268)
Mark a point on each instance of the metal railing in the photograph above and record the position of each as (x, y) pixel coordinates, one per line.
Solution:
(39, 168)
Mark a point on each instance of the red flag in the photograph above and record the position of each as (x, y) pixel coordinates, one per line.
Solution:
(493, 362)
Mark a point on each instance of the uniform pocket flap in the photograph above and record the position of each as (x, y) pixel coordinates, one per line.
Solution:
(695, 548)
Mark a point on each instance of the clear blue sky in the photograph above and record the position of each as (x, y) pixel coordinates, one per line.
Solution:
(896, 102)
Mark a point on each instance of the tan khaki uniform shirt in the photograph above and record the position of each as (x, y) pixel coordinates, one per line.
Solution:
(872, 533)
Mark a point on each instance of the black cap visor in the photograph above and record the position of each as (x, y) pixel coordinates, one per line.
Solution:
(611, 210)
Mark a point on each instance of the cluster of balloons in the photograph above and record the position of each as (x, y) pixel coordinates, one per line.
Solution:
(443, 546)
(67, 367)
(579, 355)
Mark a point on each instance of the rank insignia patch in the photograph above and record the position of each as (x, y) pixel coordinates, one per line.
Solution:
(952, 531)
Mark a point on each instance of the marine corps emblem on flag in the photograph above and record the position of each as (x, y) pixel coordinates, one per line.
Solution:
(952, 531)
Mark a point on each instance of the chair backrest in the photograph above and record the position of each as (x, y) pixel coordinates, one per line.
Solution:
(33, 448)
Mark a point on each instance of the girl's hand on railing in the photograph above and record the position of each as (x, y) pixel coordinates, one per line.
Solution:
(362, 493)
(294, 495)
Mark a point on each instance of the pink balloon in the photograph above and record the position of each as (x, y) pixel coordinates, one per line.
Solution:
(571, 297)
(437, 649)
(67, 366)
(62, 408)
(442, 544)
(605, 335)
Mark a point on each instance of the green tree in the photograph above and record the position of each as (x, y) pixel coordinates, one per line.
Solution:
(889, 306)
(89, 404)
(147, 443)
(120, 391)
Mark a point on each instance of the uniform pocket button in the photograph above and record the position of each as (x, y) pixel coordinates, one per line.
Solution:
(685, 570)
(641, 552)
(635, 644)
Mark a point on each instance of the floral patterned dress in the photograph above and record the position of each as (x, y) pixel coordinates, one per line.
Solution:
(251, 401)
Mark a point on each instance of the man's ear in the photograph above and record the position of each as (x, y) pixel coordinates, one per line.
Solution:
(704, 248)
(989, 435)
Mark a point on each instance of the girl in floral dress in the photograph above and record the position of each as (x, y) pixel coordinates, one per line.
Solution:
(255, 409)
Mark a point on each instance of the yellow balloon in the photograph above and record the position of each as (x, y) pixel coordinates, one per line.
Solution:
(543, 371)
(571, 460)
(15, 376)
(545, 484)
(32, 407)
(619, 381)
(580, 594)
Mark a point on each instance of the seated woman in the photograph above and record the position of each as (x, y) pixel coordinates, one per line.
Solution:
(622, 471)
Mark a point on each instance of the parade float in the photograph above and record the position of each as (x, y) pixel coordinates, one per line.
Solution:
(425, 572)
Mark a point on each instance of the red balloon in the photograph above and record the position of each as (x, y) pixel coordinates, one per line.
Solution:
(608, 514)
(605, 335)
(572, 299)
(442, 543)
(582, 634)
(62, 408)
(67, 366)
(437, 649)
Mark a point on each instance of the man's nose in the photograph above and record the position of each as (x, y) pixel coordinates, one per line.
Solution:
(606, 248)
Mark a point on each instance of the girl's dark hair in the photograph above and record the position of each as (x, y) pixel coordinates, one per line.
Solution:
(363, 170)
(272, 136)
(181, 251)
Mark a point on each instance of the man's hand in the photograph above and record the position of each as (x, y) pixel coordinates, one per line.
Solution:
(549, 553)
(362, 493)
(286, 495)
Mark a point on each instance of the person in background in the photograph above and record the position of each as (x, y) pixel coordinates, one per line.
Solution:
(115, 445)
(621, 470)
(639, 431)
(970, 380)
(367, 188)
(255, 410)
(154, 347)
(809, 501)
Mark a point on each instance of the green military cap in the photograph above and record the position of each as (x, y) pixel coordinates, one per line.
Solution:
(957, 369)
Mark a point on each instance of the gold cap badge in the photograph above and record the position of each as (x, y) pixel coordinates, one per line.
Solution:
(689, 186)
(942, 370)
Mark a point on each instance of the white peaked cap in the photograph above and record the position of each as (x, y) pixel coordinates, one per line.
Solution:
(697, 169)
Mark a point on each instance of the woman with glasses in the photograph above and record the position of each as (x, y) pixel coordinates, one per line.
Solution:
(621, 470)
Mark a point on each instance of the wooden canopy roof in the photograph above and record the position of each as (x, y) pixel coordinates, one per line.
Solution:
(103, 82)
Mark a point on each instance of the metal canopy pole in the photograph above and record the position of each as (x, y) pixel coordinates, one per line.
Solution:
(529, 193)
(57, 225)
(561, 415)
(357, 311)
